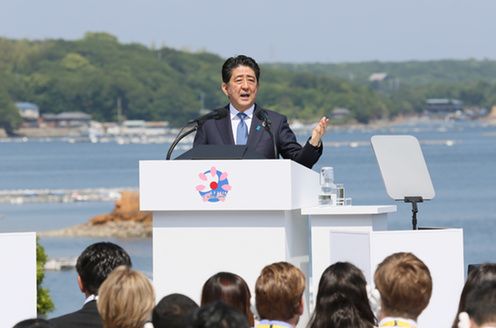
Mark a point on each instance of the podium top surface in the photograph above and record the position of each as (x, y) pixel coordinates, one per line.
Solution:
(348, 210)
(218, 185)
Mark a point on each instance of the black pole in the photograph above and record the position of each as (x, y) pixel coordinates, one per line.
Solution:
(267, 128)
(414, 200)
(179, 136)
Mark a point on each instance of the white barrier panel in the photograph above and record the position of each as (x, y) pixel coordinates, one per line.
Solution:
(440, 249)
(17, 277)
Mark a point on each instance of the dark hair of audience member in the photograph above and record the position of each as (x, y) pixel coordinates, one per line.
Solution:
(481, 303)
(344, 315)
(231, 289)
(173, 311)
(481, 274)
(97, 261)
(218, 315)
(342, 299)
(34, 323)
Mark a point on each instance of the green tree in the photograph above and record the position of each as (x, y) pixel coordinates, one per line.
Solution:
(10, 118)
(44, 301)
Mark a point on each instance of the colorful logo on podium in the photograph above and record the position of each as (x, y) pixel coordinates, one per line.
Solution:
(214, 185)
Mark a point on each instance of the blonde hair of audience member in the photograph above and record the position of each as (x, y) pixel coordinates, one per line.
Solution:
(481, 274)
(279, 293)
(125, 299)
(405, 285)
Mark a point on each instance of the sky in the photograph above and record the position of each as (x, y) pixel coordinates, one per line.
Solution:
(292, 31)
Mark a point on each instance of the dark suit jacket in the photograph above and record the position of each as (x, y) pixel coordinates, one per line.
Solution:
(87, 317)
(219, 132)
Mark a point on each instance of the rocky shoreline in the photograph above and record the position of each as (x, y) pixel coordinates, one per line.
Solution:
(125, 221)
(121, 229)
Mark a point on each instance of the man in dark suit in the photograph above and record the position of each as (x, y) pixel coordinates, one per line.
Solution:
(93, 266)
(246, 122)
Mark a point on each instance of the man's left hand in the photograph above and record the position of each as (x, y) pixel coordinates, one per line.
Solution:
(318, 132)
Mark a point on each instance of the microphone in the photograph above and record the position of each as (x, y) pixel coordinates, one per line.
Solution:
(266, 123)
(264, 117)
(215, 114)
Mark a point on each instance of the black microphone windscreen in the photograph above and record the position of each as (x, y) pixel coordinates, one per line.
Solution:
(264, 117)
(221, 113)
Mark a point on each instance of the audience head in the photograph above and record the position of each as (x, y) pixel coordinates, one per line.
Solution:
(279, 292)
(218, 315)
(96, 262)
(405, 285)
(479, 275)
(342, 299)
(34, 323)
(173, 311)
(344, 315)
(481, 305)
(231, 289)
(125, 299)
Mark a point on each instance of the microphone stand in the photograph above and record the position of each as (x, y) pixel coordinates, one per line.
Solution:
(414, 201)
(179, 137)
(216, 114)
(266, 125)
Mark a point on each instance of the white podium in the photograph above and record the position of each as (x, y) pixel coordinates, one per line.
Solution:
(17, 277)
(225, 215)
(262, 211)
(440, 249)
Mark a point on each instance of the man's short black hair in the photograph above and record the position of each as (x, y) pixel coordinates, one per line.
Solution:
(97, 261)
(241, 60)
(218, 315)
(173, 311)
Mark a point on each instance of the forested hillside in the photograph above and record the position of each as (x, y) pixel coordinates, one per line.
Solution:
(471, 81)
(93, 74)
(412, 72)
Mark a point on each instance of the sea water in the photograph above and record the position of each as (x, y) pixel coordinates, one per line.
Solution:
(460, 157)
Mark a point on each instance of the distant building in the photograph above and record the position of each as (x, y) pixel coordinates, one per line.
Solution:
(378, 77)
(67, 119)
(383, 82)
(339, 113)
(30, 113)
(443, 106)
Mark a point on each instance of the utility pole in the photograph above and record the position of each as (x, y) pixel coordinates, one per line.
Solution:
(119, 111)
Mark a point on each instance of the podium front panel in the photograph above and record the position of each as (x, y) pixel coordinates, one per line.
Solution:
(213, 185)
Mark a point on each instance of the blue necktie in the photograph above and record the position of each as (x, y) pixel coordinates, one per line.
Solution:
(242, 132)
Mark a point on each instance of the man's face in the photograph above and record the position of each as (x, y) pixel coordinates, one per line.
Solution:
(242, 88)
